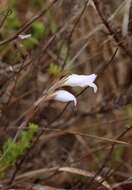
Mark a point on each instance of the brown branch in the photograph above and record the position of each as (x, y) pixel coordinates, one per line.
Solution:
(72, 32)
(27, 25)
(6, 13)
(109, 156)
(110, 30)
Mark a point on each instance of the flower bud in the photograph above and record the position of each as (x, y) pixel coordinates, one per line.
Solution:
(64, 96)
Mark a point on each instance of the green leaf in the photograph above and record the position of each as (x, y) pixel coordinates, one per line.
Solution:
(118, 153)
(30, 42)
(13, 22)
(12, 150)
(38, 29)
(54, 69)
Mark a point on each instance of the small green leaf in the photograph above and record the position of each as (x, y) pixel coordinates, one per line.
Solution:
(118, 153)
(12, 150)
(30, 42)
(13, 22)
(38, 29)
(54, 69)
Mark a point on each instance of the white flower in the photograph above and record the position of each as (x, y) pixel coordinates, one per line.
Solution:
(24, 36)
(64, 96)
(81, 81)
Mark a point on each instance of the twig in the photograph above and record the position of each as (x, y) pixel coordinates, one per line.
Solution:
(8, 13)
(72, 31)
(110, 30)
(27, 25)
(109, 155)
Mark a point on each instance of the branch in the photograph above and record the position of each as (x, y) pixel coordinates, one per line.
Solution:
(110, 30)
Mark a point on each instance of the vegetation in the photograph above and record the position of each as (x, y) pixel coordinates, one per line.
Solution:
(46, 143)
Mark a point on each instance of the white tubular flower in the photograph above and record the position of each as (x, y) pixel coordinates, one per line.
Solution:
(24, 36)
(81, 81)
(64, 96)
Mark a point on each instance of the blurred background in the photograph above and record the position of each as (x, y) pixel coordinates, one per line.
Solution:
(66, 147)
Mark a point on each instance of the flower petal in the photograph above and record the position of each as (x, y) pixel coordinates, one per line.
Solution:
(92, 77)
(94, 87)
(24, 36)
(64, 96)
(81, 81)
